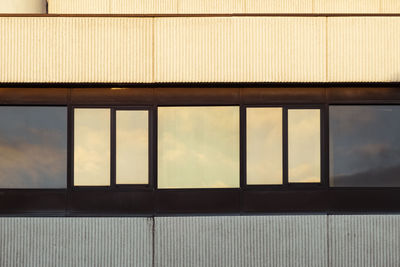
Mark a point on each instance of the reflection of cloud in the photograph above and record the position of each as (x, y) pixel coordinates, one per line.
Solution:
(198, 147)
(378, 177)
(28, 165)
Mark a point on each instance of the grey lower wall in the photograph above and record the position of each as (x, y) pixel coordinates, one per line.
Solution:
(284, 240)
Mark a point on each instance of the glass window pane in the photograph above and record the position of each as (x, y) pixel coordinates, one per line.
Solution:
(132, 158)
(198, 147)
(33, 145)
(92, 147)
(264, 145)
(304, 146)
(364, 146)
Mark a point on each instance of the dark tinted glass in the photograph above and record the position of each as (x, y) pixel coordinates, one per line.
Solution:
(364, 146)
(33, 147)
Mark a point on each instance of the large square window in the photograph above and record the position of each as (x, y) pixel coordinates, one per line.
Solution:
(198, 147)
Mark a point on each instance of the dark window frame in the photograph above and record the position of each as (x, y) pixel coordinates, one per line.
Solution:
(245, 200)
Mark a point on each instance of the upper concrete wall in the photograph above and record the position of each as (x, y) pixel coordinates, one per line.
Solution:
(225, 6)
(199, 49)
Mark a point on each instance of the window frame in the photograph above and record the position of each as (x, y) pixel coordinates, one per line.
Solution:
(126, 201)
(113, 185)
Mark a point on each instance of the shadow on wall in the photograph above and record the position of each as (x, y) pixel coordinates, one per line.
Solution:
(23, 6)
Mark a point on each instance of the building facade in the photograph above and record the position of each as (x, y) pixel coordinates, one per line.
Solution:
(199, 133)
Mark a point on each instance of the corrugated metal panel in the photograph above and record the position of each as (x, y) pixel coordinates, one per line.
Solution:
(211, 6)
(279, 6)
(346, 6)
(241, 241)
(75, 49)
(79, 6)
(23, 6)
(241, 49)
(390, 6)
(364, 49)
(364, 240)
(76, 242)
(144, 6)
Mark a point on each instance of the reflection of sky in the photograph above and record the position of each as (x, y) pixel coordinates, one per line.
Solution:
(304, 145)
(264, 145)
(33, 145)
(364, 145)
(198, 147)
(132, 147)
(92, 146)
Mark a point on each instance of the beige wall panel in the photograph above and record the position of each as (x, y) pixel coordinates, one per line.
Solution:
(144, 6)
(390, 6)
(22, 6)
(279, 6)
(346, 6)
(274, 49)
(79, 6)
(211, 6)
(364, 49)
(75, 49)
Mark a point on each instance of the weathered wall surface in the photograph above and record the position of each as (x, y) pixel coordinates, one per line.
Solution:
(199, 49)
(226, 6)
(279, 240)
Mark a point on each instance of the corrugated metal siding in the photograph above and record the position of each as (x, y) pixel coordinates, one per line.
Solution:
(79, 6)
(390, 6)
(241, 241)
(211, 6)
(346, 6)
(75, 49)
(76, 242)
(260, 49)
(364, 240)
(279, 6)
(23, 6)
(144, 6)
(363, 49)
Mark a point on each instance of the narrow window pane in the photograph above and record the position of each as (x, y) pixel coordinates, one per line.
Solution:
(198, 147)
(304, 145)
(364, 146)
(33, 147)
(264, 145)
(92, 147)
(132, 158)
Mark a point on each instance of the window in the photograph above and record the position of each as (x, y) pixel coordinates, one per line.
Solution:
(100, 140)
(266, 132)
(92, 147)
(304, 145)
(33, 145)
(264, 146)
(364, 146)
(198, 147)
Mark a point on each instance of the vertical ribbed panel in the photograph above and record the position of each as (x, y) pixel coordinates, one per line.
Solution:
(23, 6)
(390, 6)
(346, 6)
(241, 241)
(144, 6)
(211, 6)
(75, 242)
(240, 49)
(79, 6)
(364, 240)
(75, 49)
(364, 49)
(279, 6)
